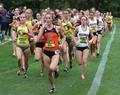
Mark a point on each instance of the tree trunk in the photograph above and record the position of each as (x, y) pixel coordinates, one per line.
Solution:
(37, 4)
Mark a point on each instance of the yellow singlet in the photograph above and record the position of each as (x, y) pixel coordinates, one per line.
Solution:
(29, 23)
(110, 19)
(22, 37)
(67, 27)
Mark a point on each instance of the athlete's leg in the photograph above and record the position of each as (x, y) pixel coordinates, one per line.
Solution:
(26, 57)
(38, 55)
(93, 47)
(19, 54)
(65, 57)
(79, 56)
(70, 54)
(85, 61)
(32, 46)
(52, 69)
(14, 42)
(98, 43)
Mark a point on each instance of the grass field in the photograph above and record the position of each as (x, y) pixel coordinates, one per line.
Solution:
(68, 83)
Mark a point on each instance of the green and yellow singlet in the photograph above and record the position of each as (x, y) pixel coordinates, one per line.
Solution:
(22, 37)
(67, 28)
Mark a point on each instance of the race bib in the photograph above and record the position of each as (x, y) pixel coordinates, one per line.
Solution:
(69, 34)
(66, 28)
(50, 44)
(83, 40)
(93, 28)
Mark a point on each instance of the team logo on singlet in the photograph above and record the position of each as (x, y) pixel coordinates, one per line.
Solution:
(49, 36)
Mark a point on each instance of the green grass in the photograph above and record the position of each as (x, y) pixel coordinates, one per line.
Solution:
(67, 84)
(111, 80)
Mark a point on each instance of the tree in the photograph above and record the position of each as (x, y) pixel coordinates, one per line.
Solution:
(102, 5)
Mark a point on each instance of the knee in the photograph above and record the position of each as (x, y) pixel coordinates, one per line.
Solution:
(85, 61)
(36, 58)
(52, 68)
(64, 51)
(19, 58)
(98, 41)
(79, 61)
(93, 44)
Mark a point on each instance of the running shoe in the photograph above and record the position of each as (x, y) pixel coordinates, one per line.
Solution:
(18, 72)
(25, 76)
(70, 64)
(52, 91)
(41, 74)
(66, 69)
(98, 54)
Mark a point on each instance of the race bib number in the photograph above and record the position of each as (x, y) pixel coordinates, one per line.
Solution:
(50, 44)
(93, 28)
(66, 27)
(69, 34)
(83, 40)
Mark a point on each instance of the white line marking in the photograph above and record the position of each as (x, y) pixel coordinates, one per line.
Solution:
(4, 43)
(99, 74)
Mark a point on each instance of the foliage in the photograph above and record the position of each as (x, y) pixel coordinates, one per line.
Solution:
(102, 5)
